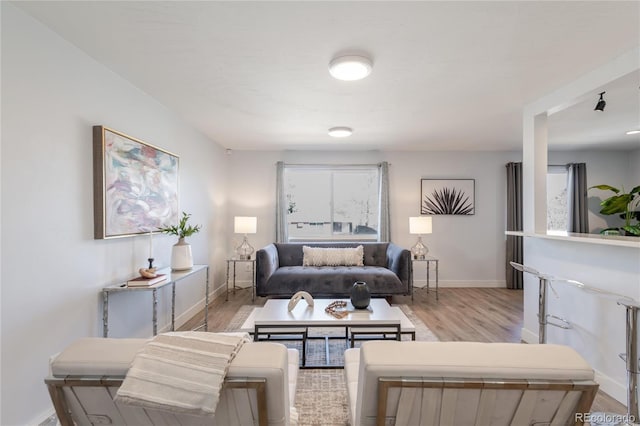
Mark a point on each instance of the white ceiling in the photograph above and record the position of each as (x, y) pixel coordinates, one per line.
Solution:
(446, 75)
(581, 126)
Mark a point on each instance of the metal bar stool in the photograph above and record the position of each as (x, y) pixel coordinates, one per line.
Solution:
(544, 281)
(630, 357)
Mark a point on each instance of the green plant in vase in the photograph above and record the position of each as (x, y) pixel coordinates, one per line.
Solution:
(626, 204)
(181, 256)
(181, 230)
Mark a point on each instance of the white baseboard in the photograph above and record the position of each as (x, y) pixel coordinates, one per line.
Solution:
(241, 284)
(193, 310)
(528, 336)
(45, 418)
(460, 284)
(613, 388)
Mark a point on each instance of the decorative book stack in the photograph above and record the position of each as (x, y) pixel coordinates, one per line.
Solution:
(146, 282)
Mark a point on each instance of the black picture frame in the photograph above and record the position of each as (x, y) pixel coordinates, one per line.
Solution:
(447, 197)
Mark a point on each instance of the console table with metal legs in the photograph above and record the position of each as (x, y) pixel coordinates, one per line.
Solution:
(428, 260)
(234, 262)
(173, 277)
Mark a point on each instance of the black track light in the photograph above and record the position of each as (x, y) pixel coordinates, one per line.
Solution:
(601, 103)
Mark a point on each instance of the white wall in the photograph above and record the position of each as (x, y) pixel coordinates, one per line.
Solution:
(634, 169)
(471, 248)
(52, 268)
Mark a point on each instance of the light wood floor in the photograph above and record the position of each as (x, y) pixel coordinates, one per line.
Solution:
(460, 314)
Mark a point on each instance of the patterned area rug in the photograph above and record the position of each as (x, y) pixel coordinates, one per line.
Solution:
(321, 396)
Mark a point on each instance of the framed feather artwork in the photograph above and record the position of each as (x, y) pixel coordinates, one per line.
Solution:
(447, 196)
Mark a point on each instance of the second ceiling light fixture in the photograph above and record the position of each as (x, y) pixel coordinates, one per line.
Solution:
(348, 68)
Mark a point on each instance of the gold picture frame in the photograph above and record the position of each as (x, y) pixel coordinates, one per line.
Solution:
(135, 185)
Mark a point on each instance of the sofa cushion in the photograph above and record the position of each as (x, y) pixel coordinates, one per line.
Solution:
(332, 256)
(92, 356)
(387, 271)
(290, 254)
(467, 360)
(332, 280)
(95, 357)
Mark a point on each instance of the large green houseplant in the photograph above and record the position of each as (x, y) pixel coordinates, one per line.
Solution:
(626, 204)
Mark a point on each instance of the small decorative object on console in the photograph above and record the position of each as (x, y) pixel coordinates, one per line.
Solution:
(296, 298)
(146, 282)
(360, 295)
(148, 272)
(333, 307)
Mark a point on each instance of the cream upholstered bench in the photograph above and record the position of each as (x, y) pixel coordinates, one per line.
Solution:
(259, 388)
(467, 383)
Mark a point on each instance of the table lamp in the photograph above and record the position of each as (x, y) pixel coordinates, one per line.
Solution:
(245, 225)
(419, 225)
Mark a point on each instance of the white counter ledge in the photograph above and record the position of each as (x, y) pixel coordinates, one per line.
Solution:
(609, 240)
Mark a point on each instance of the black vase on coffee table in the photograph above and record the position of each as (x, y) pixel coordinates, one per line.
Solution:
(360, 295)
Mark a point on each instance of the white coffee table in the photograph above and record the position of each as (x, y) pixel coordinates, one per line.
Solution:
(274, 319)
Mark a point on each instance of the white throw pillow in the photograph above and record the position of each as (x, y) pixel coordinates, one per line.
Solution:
(321, 256)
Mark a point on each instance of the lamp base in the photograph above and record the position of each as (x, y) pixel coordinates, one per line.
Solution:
(244, 250)
(419, 250)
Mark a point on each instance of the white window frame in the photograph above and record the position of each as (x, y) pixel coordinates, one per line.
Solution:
(334, 168)
(557, 170)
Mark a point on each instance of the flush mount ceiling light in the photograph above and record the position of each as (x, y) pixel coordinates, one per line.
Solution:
(633, 132)
(350, 68)
(601, 103)
(340, 132)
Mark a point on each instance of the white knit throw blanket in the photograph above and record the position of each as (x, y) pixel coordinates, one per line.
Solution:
(181, 372)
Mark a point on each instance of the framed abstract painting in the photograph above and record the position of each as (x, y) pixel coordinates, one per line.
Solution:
(447, 196)
(135, 185)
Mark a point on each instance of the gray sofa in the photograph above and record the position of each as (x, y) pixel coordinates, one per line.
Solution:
(279, 272)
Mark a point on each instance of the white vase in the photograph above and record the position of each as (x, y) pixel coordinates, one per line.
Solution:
(181, 257)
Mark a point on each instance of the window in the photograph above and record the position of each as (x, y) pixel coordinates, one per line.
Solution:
(332, 202)
(557, 212)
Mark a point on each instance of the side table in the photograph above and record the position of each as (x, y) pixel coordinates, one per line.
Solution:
(430, 259)
(234, 262)
(172, 278)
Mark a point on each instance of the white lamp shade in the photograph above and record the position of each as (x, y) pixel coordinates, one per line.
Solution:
(245, 225)
(420, 225)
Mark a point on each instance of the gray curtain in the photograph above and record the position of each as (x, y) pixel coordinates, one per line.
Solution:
(514, 223)
(577, 198)
(281, 205)
(384, 221)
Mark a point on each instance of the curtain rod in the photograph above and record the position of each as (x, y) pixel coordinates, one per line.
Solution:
(334, 165)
